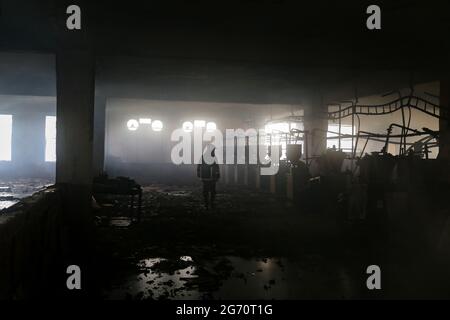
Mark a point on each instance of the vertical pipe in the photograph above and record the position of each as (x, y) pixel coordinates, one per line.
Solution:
(340, 125)
(353, 125)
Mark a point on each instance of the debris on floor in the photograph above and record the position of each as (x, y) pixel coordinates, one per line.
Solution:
(180, 250)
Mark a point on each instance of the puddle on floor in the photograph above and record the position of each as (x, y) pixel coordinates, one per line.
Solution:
(272, 278)
(152, 284)
(280, 279)
(179, 193)
(120, 222)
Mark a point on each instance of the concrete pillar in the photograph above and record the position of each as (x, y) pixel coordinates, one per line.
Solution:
(444, 125)
(74, 138)
(316, 124)
(75, 87)
(75, 115)
(444, 131)
(99, 135)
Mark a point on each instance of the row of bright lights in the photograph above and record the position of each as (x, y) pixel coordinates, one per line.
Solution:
(157, 125)
(133, 124)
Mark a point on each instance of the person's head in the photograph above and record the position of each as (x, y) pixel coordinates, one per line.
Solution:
(209, 153)
(209, 149)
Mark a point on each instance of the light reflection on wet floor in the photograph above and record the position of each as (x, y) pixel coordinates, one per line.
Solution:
(279, 278)
(272, 278)
(120, 222)
(155, 285)
(11, 191)
(7, 203)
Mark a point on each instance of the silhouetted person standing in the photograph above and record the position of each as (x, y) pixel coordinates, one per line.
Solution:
(208, 171)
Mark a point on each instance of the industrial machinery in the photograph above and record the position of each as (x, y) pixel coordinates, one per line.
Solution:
(358, 179)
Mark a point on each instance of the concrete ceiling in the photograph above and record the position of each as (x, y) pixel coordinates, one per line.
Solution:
(248, 51)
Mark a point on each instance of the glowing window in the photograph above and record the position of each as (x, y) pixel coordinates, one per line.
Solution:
(50, 138)
(188, 126)
(157, 125)
(297, 125)
(5, 137)
(277, 133)
(346, 143)
(211, 126)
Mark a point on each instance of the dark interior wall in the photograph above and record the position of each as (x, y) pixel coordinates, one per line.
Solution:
(145, 155)
(184, 79)
(28, 136)
(30, 74)
(27, 92)
(98, 152)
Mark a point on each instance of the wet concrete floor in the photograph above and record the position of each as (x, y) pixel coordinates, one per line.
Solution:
(251, 246)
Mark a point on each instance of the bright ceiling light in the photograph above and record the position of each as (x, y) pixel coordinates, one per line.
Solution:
(132, 124)
(199, 123)
(145, 121)
(188, 126)
(211, 127)
(157, 125)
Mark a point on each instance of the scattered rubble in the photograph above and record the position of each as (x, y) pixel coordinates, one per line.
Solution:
(180, 250)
